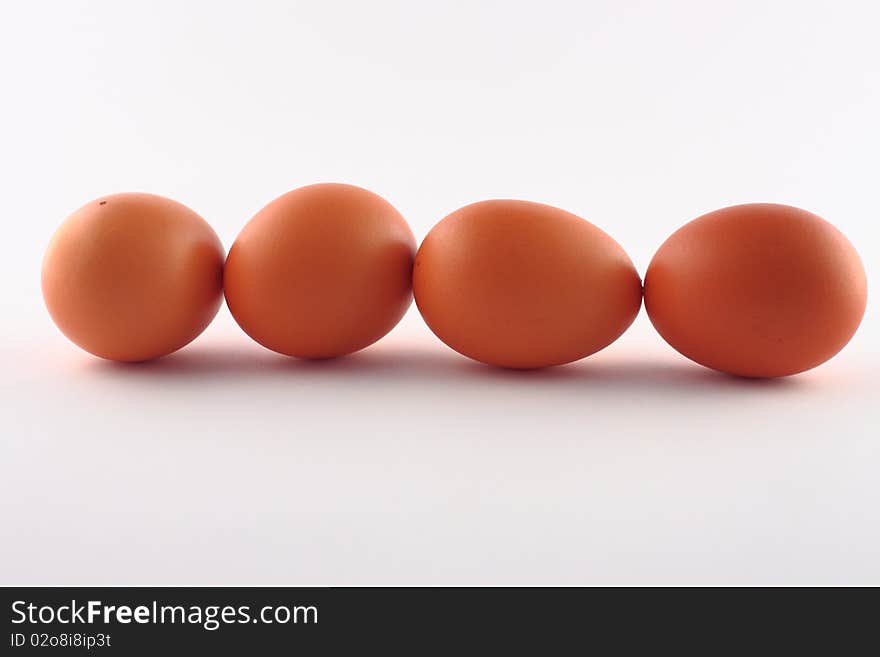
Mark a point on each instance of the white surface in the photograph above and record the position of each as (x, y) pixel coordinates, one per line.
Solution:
(225, 464)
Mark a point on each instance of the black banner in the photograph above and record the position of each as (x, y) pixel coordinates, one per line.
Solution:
(276, 621)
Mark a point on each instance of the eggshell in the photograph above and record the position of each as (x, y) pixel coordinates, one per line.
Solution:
(322, 271)
(757, 290)
(524, 285)
(130, 277)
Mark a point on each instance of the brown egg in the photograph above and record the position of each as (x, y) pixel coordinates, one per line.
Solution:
(132, 277)
(758, 290)
(524, 285)
(322, 271)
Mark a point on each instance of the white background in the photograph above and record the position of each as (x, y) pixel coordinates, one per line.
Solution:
(408, 464)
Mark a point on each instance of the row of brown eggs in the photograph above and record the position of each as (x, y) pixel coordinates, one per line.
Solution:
(758, 290)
